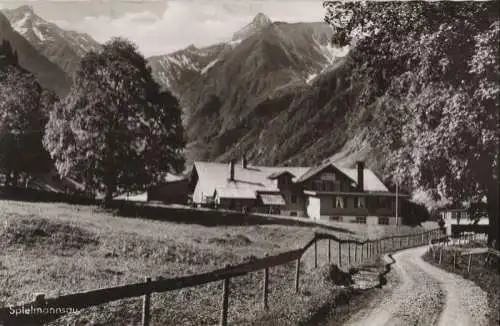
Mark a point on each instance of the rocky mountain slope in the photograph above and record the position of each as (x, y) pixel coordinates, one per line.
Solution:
(259, 23)
(62, 47)
(48, 73)
(277, 92)
(176, 70)
(249, 98)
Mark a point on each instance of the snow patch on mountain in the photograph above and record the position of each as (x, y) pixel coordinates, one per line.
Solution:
(183, 61)
(48, 38)
(210, 65)
(310, 78)
(234, 43)
(38, 34)
(19, 26)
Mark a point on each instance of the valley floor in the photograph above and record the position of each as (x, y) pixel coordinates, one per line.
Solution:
(59, 249)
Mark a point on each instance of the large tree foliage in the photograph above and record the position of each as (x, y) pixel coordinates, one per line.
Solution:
(432, 71)
(116, 130)
(23, 113)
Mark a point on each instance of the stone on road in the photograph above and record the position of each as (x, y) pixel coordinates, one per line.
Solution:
(421, 294)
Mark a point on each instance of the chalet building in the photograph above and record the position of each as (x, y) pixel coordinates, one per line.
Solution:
(326, 191)
(459, 216)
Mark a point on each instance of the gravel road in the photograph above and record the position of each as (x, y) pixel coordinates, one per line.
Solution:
(420, 294)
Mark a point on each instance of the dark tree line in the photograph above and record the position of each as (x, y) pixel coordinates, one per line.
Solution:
(116, 131)
(24, 108)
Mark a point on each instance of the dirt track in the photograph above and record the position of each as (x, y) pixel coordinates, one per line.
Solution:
(420, 294)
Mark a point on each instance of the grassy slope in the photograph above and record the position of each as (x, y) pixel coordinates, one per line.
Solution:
(59, 249)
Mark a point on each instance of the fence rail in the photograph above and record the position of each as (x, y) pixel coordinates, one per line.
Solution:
(81, 300)
(439, 253)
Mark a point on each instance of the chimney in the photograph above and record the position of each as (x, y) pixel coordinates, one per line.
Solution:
(361, 167)
(244, 162)
(231, 169)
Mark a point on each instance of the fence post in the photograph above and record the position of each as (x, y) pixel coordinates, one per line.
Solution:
(367, 249)
(468, 264)
(440, 254)
(422, 240)
(39, 299)
(361, 254)
(355, 253)
(340, 254)
(315, 253)
(265, 289)
(392, 243)
(146, 306)
(454, 259)
(225, 301)
(297, 273)
(329, 251)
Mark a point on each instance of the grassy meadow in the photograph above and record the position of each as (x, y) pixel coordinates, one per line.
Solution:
(59, 249)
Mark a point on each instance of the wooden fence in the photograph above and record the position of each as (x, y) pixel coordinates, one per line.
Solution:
(43, 309)
(445, 247)
(464, 228)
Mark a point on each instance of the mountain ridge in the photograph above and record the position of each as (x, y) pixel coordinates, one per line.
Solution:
(63, 47)
(47, 73)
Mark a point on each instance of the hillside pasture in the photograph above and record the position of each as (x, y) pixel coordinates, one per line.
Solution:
(57, 249)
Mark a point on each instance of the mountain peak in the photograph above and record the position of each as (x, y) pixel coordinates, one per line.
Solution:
(26, 9)
(261, 20)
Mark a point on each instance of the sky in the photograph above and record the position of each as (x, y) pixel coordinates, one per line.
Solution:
(163, 26)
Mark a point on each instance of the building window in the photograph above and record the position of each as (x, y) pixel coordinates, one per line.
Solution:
(355, 200)
(361, 202)
(294, 198)
(383, 220)
(383, 202)
(361, 219)
(293, 213)
(328, 176)
(339, 202)
(335, 218)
